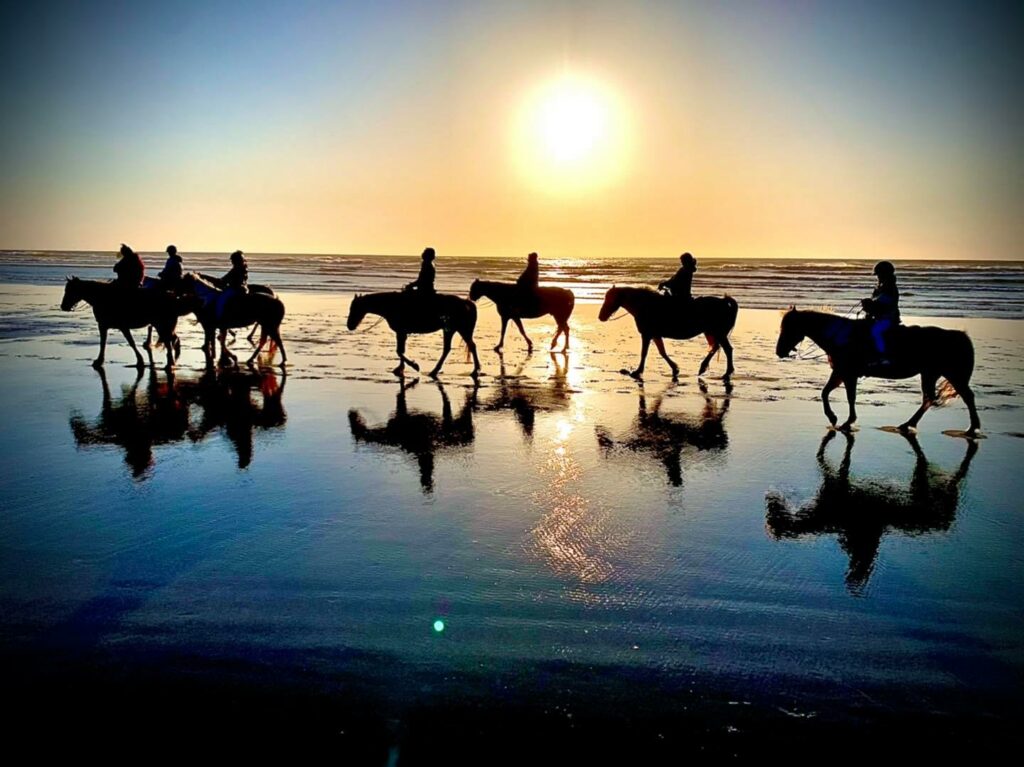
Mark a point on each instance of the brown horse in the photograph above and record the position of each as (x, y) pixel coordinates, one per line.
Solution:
(508, 298)
(407, 312)
(218, 311)
(658, 317)
(926, 351)
(120, 308)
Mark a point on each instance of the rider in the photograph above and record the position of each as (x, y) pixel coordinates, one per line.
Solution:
(883, 307)
(129, 269)
(678, 286)
(528, 281)
(172, 273)
(235, 282)
(424, 283)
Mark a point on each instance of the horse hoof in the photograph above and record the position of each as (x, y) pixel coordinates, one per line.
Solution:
(433, 374)
(97, 364)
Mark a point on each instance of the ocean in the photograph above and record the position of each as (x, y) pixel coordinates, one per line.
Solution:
(992, 289)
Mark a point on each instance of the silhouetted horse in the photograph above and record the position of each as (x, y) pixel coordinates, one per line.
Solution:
(926, 351)
(240, 310)
(658, 316)
(162, 413)
(525, 398)
(508, 299)
(407, 312)
(861, 512)
(418, 433)
(123, 309)
(666, 436)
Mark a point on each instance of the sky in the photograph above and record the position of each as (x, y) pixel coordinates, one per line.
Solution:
(576, 129)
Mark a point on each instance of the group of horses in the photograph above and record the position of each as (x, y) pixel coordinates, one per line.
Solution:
(930, 352)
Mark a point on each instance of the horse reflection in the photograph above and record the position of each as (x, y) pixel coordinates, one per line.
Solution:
(525, 398)
(419, 433)
(861, 512)
(162, 411)
(666, 437)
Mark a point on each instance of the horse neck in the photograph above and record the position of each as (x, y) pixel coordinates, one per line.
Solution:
(92, 291)
(818, 327)
(380, 303)
(631, 297)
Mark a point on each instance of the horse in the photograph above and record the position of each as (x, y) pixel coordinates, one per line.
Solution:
(508, 298)
(658, 317)
(217, 283)
(926, 351)
(115, 306)
(407, 312)
(239, 310)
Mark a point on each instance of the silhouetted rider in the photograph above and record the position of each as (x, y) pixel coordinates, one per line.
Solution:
(129, 268)
(424, 282)
(883, 308)
(172, 271)
(237, 278)
(679, 285)
(529, 282)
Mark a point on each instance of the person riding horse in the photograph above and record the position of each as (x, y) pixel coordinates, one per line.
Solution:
(235, 282)
(423, 285)
(170, 277)
(129, 268)
(883, 308)
(679, 285)
(528, 283)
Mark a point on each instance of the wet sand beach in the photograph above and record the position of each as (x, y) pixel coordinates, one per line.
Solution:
(410, 569)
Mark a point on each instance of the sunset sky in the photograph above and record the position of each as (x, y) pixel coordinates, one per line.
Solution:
(578, 129)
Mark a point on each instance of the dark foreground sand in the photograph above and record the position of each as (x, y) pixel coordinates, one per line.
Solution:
(670, 568)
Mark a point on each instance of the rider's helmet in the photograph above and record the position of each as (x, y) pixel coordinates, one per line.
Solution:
(428, 254)
(237, 258)
(532, 257)
(884, 270)
(171, 250)
(125, 250)
(688, 261)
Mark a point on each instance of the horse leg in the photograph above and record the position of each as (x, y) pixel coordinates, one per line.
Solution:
(253, 332)
(660, 343)
(444, 353)
(851, 399)
(148, 343)
(275, 336)
(225, 355)
(727, 348)
(645, 344)
(400, 348)
(967, 395)
(139, 361)
(259, 347)
(565, 334)
(98, 362)
(501, 341)
(468, 338)
(714, 347)
(927, 400)
(833, 381)
(522, 331)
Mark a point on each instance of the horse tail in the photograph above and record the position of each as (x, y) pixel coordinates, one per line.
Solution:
(732, 309)
(471, 314)
(962, 350)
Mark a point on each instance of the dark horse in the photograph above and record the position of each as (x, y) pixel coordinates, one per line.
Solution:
(407, 312)
(860, 512)
(238, 311)
(508, 298)
(121, 308)
(658, 317)
(926, 351)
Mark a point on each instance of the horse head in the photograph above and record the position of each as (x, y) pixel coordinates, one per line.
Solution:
(475, 291)
(790, 333)
(610, 305)
(72, 293)
(356, 312)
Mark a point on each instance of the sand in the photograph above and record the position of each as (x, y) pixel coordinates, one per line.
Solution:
(694, 567)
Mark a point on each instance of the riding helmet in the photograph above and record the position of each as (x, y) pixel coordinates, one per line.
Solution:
(171, 250)
(884, 269)
(428, 254)
(688, 260)
(236, 257)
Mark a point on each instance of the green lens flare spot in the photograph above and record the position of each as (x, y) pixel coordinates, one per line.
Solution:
(439, 625)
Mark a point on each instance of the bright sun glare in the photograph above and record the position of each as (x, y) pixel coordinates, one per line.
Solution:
(570, 137)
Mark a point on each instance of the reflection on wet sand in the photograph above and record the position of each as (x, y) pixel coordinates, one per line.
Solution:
(860, 512)
(419, 433)
(524, 398)
(665, 437)
(162, 413)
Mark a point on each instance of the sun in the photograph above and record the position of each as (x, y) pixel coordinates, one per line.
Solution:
(570, 135)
